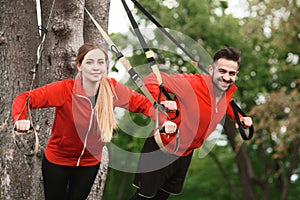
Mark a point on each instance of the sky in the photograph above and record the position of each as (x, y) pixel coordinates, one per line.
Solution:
(119, 22)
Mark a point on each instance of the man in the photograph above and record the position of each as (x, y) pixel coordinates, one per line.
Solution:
(203, 101)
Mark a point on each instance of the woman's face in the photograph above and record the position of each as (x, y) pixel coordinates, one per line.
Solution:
(93, 66)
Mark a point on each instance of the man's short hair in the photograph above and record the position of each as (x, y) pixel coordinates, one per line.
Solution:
(228, 53)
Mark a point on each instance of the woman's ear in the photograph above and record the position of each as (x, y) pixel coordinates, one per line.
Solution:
(78, 67)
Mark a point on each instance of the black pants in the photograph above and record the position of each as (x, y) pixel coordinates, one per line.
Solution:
(167, 177)
(67, 183)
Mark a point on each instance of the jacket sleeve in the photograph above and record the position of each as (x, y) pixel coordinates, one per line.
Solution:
(50, 95)
(178, 85)
(230, 113)
(129, 99)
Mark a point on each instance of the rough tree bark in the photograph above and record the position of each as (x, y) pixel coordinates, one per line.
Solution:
(20, 175)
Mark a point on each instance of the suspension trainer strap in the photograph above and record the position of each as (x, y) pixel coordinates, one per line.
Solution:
(147, 51)
(163, 30)
(41, 30)
(31, 130)
(152, 62)
(133, 74)
(149, 55)
(39, 15)
(237, 110)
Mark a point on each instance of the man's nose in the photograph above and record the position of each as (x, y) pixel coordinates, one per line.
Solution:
(226, 76)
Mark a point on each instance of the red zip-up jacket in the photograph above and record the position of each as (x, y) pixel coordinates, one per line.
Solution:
(199, 113)
(74, 140)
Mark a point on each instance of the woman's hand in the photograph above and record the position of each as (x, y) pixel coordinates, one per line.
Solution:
(22, 125)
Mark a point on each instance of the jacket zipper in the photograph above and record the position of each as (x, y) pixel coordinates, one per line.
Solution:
(88, 131)
(216, 105)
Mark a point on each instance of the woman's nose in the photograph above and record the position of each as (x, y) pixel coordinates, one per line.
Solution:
(97, 67)
(100, 68)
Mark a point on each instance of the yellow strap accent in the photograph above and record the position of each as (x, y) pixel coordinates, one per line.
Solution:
(149, 54)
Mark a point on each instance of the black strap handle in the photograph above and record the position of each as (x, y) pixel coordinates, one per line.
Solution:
(162, 130)
(237, 110)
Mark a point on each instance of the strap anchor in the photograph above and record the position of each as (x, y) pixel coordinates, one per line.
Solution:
(41, 28)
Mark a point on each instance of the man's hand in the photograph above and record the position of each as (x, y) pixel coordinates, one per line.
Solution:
(247, 122)
(170, 106)
(170, 127)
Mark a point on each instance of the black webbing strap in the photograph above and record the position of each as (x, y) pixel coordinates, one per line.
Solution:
(153, 65)
(237, 110)
(162, 29)
(147, 51)
(133, 74)
(149, 55)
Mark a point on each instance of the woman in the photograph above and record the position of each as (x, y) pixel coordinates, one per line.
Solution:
(84, 122)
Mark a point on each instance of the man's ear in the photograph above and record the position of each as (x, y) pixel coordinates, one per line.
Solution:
(211, 69)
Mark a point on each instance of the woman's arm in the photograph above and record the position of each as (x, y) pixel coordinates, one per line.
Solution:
(50, 95)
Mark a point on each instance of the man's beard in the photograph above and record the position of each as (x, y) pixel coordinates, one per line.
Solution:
(218, 84)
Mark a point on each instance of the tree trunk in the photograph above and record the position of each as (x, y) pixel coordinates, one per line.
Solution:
(19, 39)
(246, 173)
(100, 12)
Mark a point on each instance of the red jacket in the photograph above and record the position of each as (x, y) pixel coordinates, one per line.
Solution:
(199, 114)
(74, 140)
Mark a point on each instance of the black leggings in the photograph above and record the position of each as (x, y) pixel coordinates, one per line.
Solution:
(66, 182)
(160, 195)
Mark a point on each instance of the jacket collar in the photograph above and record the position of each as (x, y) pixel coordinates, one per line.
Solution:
(228, 94)
(78, 89)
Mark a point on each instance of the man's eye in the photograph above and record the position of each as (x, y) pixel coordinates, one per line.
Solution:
(232, 73)
(222, 71)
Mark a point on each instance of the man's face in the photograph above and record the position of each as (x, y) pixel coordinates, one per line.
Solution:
(224, 73)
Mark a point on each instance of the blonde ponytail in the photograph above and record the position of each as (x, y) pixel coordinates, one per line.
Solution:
(105, 109)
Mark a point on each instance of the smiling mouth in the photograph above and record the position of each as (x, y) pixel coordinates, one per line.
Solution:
(225, 84)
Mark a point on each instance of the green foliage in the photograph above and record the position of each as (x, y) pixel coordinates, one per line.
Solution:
(204, 180)
(278, 149)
